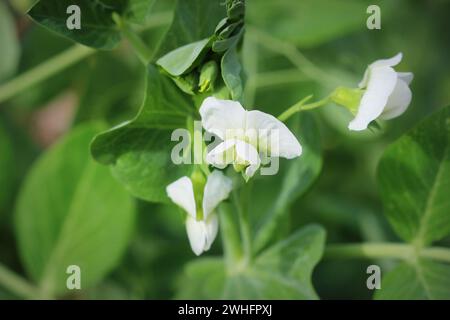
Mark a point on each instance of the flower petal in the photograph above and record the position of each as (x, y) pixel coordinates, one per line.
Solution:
(222, 155)
(217, 189)
(391, 62)
(267, 126)
(211, 227)
(398, 101)
(196, 231)
(406, 76)
(181, 192)
(247, 155)
(218, 116)
(379, 63)
(381, 84)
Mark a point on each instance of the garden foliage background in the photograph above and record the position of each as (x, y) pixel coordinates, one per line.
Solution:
(139, 250)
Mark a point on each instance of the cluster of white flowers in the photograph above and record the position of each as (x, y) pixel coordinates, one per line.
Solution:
(246, 137)
(249, 137)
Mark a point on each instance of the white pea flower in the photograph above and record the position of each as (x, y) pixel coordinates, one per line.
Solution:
(247, 136)
(202, 222)
(387, 93)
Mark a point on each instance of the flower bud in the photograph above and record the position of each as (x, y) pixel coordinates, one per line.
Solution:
(208, 75)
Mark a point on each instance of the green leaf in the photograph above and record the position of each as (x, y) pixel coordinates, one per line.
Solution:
(71, 211)
(10, 49)
(421, 280)
(231, 72)
(295, 178)
(414, 176)
(203, 279)
(139, 150)
(281, 272)
(183, 59)
(193, 20)
(98, 30)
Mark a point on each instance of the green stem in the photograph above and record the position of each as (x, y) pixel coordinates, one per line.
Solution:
(140, 48)
(401, 251)
(230, 237)
(292, 53)
(64, 60)
(244, 223)
(301, 106)
(436, 253)
(17, 284)
(44, 71)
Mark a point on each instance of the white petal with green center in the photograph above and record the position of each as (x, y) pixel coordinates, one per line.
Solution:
(247, 156)
(222, 155)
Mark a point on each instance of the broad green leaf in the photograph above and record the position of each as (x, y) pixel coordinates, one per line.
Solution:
(281, 272)
(193, 20)
(231, 72)
(6, 167)
(9, 49)
(71, 211)
(295, 177)
(414, 179)
(139, 150)
(203, 279)
(98, 29)
(421, 280)
(183, 59)
(309, 23)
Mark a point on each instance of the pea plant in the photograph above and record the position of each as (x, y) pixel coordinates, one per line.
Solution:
(230, 169)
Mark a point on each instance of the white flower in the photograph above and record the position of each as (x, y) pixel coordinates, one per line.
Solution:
(387, 93)
(202, 223)
(246, 136)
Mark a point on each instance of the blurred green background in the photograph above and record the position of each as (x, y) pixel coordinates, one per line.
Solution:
(333, 46)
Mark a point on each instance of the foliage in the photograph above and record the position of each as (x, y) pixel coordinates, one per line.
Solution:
(93, 192)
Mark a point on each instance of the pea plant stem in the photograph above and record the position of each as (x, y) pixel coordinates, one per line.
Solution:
(293, 54)
(386, 250)
(65, 59)
(301, 106)
(240, 202)
(16, 284)
(44, 71)
(139, 47)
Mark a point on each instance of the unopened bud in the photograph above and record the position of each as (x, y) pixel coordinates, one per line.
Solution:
(208, 75)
